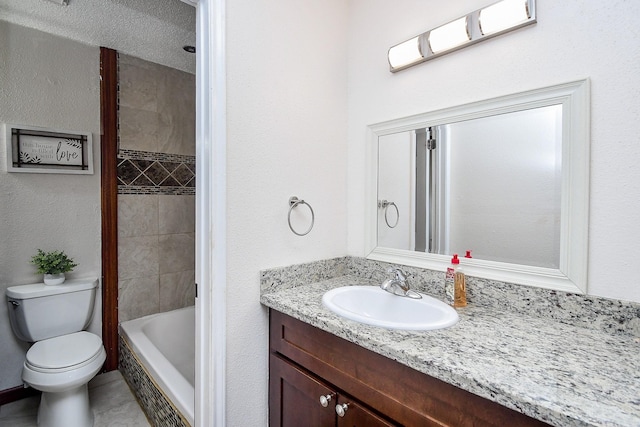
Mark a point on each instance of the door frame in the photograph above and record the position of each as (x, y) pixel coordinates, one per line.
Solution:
(211, 137)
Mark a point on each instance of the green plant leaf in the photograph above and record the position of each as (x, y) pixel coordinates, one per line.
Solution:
(53, 262)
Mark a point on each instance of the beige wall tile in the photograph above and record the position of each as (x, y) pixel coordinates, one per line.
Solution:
(176, 106)
(138, 297)
(137, 215)
(177, 214)
(156, 233)
(138, 129)
(157, 107)
(177, 290)
(177, 252)
(136, 89)
(138, 257)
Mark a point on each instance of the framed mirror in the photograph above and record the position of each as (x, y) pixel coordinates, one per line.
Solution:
(505, 178)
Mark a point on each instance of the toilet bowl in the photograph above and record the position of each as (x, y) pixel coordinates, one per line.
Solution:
(61, 367)
(63, 357)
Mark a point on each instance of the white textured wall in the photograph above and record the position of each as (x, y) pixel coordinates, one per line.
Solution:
(571, 41)
(150, 29)
(286, 118)
(51, 82)
(396, 183)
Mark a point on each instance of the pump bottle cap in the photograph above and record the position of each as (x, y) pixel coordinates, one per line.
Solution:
(455, 259)
(468, 255)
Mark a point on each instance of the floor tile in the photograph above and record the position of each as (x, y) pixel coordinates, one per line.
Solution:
(112, 402)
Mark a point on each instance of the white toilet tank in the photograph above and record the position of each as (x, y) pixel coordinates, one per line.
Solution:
(38, 311)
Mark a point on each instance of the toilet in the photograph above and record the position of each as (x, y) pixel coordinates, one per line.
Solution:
(63, 357)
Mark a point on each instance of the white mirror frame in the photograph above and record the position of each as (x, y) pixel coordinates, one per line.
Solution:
(571, 276)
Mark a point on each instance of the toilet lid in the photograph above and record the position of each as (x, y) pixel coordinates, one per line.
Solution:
(64, 351)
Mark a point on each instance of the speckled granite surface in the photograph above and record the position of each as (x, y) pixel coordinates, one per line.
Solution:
(553, 369)
(619, 317)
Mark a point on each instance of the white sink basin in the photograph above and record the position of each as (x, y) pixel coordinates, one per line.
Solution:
(374, 306)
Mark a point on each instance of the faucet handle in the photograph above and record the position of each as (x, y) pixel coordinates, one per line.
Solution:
(399, 274)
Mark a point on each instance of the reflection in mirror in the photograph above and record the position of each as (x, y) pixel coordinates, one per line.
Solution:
(506, 178)
(491, 185)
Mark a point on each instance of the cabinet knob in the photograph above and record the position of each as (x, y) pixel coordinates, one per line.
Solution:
(324, 400)
(341, 409)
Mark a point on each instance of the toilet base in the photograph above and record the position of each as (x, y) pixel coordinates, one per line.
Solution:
(66, 409)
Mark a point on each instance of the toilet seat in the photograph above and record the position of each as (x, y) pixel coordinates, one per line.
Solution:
(64, 353)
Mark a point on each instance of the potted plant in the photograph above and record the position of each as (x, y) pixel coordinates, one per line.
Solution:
(53, 265)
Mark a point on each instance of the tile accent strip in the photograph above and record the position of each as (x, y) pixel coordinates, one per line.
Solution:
(155, 404)
(145, 172)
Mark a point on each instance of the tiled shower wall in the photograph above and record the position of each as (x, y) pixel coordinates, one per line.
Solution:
(156, 188)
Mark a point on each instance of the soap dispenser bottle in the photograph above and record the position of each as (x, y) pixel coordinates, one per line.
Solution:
(455, 290)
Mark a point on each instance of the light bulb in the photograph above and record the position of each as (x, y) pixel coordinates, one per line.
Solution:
(503, 15)
(405, 53)
(449, 35)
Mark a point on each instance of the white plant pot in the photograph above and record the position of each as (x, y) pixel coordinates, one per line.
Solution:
(54, 279)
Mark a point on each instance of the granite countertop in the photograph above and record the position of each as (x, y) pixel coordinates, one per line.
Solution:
(558, 373)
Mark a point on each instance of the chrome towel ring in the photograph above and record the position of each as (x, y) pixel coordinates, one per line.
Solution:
(293, 202)
(385, 204)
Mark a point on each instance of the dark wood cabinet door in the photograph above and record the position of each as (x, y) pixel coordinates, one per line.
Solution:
(396, 391)
(356, 415)
(295, 397)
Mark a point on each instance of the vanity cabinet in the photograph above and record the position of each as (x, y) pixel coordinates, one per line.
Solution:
(297, 397)
(307, 363)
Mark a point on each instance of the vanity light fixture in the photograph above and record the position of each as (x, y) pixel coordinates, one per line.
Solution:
(450, 35)
(405, 54)
(502, 16)
(481, 24)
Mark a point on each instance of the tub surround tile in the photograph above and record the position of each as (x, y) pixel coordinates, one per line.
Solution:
(177, 214)
(136, 89)
(157, 107)
(155, 404)
(138, 129)
(137, 215)
(156, 187)
(184, 174)
(145, 172)
(138, 257)
(176, 105)
(177, 290)
(138, 297)
(177, 252)
(566, 359)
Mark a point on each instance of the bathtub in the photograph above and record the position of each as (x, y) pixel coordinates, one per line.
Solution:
(164, 345)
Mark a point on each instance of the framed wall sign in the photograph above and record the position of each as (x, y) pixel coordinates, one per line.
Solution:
(39, 150)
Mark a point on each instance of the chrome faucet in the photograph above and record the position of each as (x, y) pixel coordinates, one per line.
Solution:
(398, 284)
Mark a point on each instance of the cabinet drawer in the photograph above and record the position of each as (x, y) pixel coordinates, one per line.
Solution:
(401, 393)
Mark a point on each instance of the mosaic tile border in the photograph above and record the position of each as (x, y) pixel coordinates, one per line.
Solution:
(146, 172)
(154, 403)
